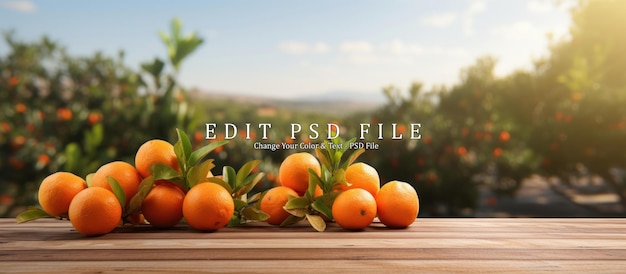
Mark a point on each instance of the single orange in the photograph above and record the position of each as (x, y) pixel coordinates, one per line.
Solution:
(273, 202)
(57, 191)
(294, 171)
(163, 207)
(124, 173)
(95, 211)
(364, 176)
(152, 152)
(398, 204)
(354, 209)
(208, 206)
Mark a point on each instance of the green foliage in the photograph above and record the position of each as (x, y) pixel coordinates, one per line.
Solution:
(76, 113)
(179, 47)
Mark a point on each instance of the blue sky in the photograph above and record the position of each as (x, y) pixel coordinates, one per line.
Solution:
(290, 49)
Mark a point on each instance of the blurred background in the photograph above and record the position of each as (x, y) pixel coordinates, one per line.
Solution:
(522, 103)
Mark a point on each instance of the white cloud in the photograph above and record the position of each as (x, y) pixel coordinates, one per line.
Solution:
(540, 6)
(19, 5)
(356, 47)
(518, 31)
(476, 7)
(297, 47)
(439, 20)
(377, 59)
(399, 47)
(396, 52)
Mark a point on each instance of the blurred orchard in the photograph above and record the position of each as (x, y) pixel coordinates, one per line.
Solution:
(565, 119)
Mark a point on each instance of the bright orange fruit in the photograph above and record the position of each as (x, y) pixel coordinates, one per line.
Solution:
(152, 152)
(95, 211)
(163, 207)
(124, 173)
(57, 191)
(364, 176)
(398, 204)
(354, 209)
(273, 202)
(293, 172)
(208, 206)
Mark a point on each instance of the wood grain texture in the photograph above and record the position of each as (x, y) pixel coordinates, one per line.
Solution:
(429, 245)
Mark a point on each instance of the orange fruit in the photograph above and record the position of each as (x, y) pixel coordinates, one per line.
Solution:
(57, 191)
(124, 173)
(152, 152)
(364, 176)
(273, 202)
(397, 204)
(95, 211)
(208, 206)
(163, 207)
(354, 209)
(294, 171)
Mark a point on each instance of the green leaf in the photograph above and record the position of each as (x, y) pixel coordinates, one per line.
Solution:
(316, 222)
(155, 68)
(298, 212)
(234, 221)
(296, 202)
(245, 170)
(339, 177)
(89, 179)
(142, 192)
(30, 214)
(256, 197)
(202, 152)
(249, 184)
(163, 172)
(239, 204)
(346, 145)
(72, 157)
(352, 158)
(322, 156)
(221, 182)
(182, 148)
(118, 191)
(292, 220)
(93, 138)
(314, 181)
(324, 203)
(198, 174)
(254, 214)
(230, 176)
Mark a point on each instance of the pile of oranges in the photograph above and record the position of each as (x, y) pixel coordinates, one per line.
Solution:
(94, 207)
(359, 201)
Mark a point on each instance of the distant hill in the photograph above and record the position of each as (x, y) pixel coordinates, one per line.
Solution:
(334, 103)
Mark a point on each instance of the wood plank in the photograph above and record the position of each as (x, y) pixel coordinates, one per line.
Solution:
(311, 254)
(300, 266)
(430, 245)
(294, 243)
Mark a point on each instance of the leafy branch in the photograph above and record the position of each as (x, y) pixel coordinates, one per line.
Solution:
(239, 184)
(333, 175)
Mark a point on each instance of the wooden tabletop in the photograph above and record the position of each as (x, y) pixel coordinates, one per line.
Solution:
(429, 245)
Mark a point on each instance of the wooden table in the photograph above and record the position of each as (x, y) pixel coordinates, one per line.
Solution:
(429, 245)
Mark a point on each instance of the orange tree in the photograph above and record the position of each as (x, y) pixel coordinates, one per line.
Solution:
(466, 138)
(580, 94)
(75, 113)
